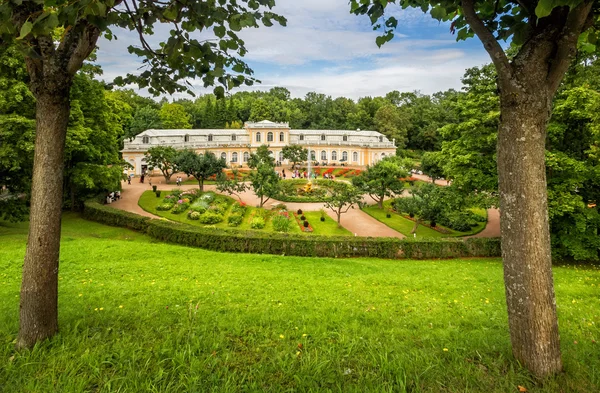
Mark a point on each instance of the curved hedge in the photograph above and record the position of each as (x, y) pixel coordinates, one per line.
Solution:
(285, 244)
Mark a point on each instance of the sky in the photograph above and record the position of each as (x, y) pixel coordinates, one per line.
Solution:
(327, 50)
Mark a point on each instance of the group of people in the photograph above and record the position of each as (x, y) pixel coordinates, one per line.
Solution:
(113, 196)
(179, 180)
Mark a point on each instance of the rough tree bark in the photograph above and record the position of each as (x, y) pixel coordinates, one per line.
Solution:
(526, 88)
(39, 288)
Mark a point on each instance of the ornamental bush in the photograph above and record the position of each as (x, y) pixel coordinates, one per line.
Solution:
(210, 218)
(179, 208)
(235, 220)
(281, 223)
(164, 207)
(238, 208)
(192, 215)
(257, 223)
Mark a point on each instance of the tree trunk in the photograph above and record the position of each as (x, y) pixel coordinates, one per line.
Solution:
(39, 288)
(201, 184)
(525, 231)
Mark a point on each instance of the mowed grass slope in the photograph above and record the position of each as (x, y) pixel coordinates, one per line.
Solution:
(138, 316)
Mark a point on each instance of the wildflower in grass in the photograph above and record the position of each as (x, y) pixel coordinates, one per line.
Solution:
(96, 309)
(304, 335)
(445, 349)
(121, 306)
(81, 294)
(281, 336)
(101, 308)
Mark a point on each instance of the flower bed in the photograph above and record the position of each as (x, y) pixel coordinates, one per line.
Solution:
(308, 228)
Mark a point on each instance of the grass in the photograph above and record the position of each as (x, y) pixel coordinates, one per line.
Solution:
(141, 316)
(148, 201)
(405, 226)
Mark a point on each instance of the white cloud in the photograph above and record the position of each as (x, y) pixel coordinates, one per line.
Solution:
(326, 49)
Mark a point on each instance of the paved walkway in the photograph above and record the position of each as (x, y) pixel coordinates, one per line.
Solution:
(355, 220)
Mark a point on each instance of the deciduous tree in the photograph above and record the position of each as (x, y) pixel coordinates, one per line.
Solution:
(342, 197)
(295, 154)
(201, 166)
(382, 179)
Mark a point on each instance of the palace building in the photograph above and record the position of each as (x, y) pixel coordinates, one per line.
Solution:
(328, 147)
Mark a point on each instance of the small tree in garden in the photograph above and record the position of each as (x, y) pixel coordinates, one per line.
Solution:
(432, 165)
(231, 186)
(382, 179)
(294, 153)
(163, 158)
(263, 179)
(342, 197)
(201, 166)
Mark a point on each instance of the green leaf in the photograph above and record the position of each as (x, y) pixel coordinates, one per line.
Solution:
(25, 29)
(438, 13)
(219, 31)
(219, 91)
(544, 8)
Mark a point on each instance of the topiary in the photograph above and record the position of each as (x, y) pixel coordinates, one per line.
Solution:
(303, 218)
(299, 212)
(157, 194)
(210, 218)
(192, 215)
(305, 224)
(234, 220)
(164, 207)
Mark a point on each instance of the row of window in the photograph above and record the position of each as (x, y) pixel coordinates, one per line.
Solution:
(334, 156)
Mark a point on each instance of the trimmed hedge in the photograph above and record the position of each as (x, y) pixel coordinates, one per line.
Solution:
(276, 243)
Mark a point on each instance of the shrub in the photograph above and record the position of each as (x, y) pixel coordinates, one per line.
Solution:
(235, 220)
(169, 199)
(154, 188)
(299, 212)
(388, 215)
(302, 217)
(208, 197)
(297, 245)
(210, 218)
(281, 223)
(164, 207)
(257, 223)
(216, 209)
(157, 194)
(180, 208)
(176, 193)
(192, 215)
(305, 224)
(238, 208)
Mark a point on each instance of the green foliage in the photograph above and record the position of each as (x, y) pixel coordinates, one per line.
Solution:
(323, 246)
(235, 220)
(211, 217)
(342, 196)
(231, 186)
(393, 123)
(164, 158)
(294, 153)
(179, 208)
(257, 223)
(432, 165)
(201, 166)
(145, 118)
(382, 179)
(281, 223)
(174, 116)
(264, 180)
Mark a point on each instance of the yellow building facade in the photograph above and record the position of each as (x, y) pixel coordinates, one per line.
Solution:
(328, 147)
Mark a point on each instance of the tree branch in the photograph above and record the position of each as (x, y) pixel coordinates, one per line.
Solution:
(488, 40)
(579, 19)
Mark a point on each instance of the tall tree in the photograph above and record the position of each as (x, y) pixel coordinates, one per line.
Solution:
(264, 180)
(342, 197)
(294, 153)
(52, 62)
(546, 33)
(174, 116)
(165, 158)
(382, 179)
(201, 166)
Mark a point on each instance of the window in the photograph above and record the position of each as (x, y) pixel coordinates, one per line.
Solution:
(312, 155)
(210, 137)
(355, 157)
(382, 155)
(271, 154)
(344, 156)
(322, 137)
(323, 155)
(258, 136)
(145, 140)
(186, 138)
(301, 137)
(269, 137)
(334, 155)
(345, 138)
(281, 137)
(224, 156)
(246, 156)
(280, 156)
(233, 137)
(380, 139)
(234, 157)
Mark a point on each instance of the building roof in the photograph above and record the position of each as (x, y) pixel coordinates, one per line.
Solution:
(194, 132)
(335, 132)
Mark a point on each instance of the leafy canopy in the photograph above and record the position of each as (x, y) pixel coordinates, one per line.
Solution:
(203, 40)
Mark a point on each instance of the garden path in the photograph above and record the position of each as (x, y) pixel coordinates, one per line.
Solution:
(355, 220)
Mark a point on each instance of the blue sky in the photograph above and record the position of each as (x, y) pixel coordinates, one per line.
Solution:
(326, 49)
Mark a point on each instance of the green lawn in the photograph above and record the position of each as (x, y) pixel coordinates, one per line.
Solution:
(405, 226)
(142, 316)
